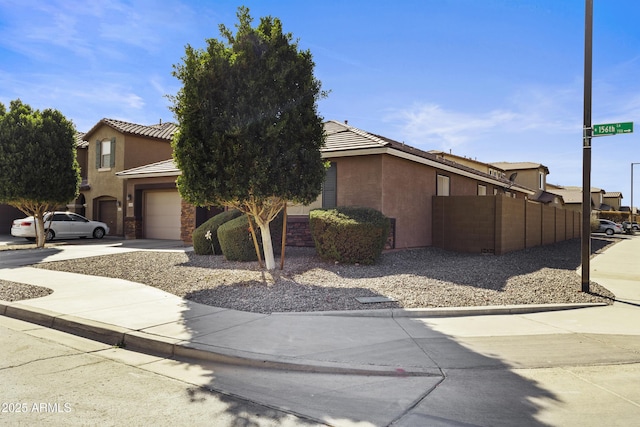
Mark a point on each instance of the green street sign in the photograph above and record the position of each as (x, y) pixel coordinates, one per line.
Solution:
(612, 129)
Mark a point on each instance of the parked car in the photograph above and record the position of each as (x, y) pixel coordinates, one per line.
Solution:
(609, 227)
(61, 225)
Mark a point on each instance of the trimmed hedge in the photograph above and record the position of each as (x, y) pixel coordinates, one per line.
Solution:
(349, 234)
(236, 241)
(201, 245)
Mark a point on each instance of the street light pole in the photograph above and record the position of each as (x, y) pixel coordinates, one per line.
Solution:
(631, 208)
(586, 152)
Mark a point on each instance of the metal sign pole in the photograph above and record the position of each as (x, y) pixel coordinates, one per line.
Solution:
(586, 152)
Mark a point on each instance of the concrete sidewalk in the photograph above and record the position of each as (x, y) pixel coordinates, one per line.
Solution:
(380, 342)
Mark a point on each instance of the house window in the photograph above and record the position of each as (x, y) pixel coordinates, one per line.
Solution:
(482, 190)
(541, 179)
(329, 194)
(105, 154)
(443, 186)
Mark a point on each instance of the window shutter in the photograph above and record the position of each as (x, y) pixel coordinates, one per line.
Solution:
(98, 149)
(113, 152)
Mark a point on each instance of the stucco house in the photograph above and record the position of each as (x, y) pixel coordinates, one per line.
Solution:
(365, 170)
(613, 199)
(112, 146)
(572, 196)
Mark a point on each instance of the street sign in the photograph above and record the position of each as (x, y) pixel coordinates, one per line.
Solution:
(612, 129)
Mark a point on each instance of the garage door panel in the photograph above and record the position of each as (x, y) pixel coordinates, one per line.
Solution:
(162, 215)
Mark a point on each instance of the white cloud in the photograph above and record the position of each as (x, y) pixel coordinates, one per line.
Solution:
(430, 124)
(546, 111)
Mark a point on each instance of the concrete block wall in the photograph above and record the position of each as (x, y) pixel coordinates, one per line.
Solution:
(499, 224)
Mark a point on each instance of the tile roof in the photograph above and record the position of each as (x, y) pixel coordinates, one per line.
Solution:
(508, 166)
(163, 168)
(341, 136)
(568, 195)
(613, 194)
(80, 142)
(163, 131)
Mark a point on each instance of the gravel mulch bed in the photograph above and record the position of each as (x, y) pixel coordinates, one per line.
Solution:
(12, 291)
(417, 278)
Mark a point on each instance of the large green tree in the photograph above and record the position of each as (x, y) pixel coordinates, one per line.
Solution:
(249, 131)
(38, 165)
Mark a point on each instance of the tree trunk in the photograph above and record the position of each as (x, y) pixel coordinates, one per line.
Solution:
(40, 233)
(267, 246)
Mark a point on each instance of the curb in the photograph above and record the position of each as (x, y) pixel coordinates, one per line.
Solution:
(167, 347)
(488, 310)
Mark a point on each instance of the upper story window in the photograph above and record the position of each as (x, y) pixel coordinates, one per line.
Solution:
(105, 153)
(541, 180)
(482, 190)
(443, 188)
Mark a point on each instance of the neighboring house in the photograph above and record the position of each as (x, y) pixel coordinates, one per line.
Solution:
(572, 196)
(472, 163)
(111, 147)
(613, 200)
(528, 174)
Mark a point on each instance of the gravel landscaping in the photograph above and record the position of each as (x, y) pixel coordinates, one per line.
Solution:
(416, 278)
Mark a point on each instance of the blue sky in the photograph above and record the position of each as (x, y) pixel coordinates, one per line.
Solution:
(494, 80)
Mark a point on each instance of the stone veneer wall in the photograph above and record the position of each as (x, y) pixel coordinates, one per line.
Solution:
(187, 222)
(132, 228)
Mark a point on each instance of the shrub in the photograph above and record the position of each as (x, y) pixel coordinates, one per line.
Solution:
(236, 241)
(349, 234)
(203, 246)
(614, 216)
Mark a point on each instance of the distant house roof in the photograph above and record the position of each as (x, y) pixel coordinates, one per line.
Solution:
(509, 166)
(162, 131)
(80, 141)
(163, 168)
(453, 157)
(613, 194)
(569, 196)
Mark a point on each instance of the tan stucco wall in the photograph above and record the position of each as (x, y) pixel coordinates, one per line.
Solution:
(406, 196)
(103, 182)
(144, 151)
(359, 181)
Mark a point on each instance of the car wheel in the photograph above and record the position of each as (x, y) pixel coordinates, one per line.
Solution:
(609, 231)
(49, 236)
(98, 233)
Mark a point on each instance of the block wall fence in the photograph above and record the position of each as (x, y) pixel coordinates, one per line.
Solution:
(499, 224)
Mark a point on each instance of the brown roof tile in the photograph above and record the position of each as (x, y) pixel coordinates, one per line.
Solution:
(163, 131)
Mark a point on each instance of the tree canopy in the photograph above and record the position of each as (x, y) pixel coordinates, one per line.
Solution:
(249, 131)
(38, 165)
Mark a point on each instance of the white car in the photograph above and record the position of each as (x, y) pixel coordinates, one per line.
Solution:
(61, 225)
(609, 227)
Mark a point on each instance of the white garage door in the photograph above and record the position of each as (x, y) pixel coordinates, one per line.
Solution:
(162, 215)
